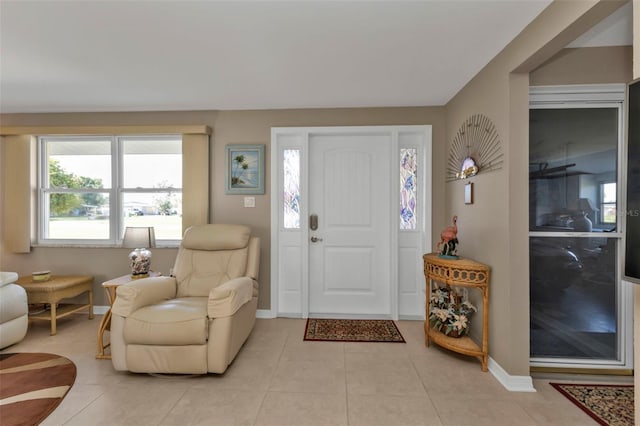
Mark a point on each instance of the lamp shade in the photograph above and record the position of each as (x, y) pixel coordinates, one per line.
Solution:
(586, 205)
(139, 237)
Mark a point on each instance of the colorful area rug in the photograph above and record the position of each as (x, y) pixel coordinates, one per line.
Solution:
(609, 405)
(342, 330)
(32, 385)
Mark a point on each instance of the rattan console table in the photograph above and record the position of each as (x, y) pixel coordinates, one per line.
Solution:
(465, 273)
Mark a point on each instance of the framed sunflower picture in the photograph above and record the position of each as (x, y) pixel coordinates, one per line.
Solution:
(244, 169)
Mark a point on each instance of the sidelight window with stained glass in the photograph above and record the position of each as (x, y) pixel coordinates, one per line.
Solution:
(408, 190)
(291, 190)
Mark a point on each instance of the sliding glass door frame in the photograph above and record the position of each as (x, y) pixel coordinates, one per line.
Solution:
(596, 96)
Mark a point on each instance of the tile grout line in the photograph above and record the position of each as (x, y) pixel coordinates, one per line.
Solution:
(415, 368)
(346, 385)
(174, 405)
(272, 376)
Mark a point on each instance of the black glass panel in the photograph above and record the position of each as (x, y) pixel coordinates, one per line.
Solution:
(632, 258)
(573, 298)
(573, 169)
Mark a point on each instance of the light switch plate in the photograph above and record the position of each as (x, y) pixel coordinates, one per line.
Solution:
(249, 201)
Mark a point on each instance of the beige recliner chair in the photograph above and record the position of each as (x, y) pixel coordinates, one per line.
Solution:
(14, 310)
(195, 321)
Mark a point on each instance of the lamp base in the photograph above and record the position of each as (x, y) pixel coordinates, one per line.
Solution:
(140, 262)
(135, 277)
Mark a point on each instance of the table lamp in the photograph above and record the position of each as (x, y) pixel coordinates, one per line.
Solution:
(140, 238)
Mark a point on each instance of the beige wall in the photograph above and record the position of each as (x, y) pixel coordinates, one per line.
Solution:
(593, 65)
(229, 127)
(494, 229)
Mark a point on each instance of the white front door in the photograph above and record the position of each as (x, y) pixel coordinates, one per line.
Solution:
(349, 252)
(370, 189)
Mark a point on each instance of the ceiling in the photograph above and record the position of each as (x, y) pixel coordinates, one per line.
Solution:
(77, 56)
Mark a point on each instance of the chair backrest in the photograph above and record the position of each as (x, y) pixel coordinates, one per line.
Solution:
(211, 255)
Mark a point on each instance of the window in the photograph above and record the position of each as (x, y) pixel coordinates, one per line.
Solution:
(91, 188)
(291, 190)
(608, 204)
(408, 190)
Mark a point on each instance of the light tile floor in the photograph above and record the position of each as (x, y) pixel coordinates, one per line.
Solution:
(278, 379)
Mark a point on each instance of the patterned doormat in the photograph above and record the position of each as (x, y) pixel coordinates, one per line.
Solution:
(343, 330)
(608, 405)
(32, 385)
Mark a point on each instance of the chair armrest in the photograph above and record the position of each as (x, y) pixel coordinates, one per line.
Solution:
(8, 278)
(143, 292)
(226, 299)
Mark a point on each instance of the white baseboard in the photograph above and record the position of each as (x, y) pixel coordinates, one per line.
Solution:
(411, 317)
(511, 383)
(100, 310)
(268, 314)
(265, 314)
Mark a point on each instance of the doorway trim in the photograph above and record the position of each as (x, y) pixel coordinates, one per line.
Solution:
(290, 280)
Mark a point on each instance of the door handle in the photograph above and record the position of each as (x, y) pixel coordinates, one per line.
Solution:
(315, 239)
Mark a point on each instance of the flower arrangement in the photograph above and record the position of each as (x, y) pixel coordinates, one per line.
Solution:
(450, 312)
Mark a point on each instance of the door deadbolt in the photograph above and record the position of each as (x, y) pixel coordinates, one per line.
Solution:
(313, 222)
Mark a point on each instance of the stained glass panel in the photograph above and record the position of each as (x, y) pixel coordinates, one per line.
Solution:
(408, 172)
(291, 188)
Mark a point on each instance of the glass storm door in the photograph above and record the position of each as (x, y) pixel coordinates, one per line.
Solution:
(578, 316)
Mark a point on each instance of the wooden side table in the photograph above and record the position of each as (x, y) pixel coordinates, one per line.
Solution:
(51, 292)
(465, 273)
(105, 324)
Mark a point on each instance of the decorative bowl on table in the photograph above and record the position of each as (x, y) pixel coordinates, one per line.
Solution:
(40, 276)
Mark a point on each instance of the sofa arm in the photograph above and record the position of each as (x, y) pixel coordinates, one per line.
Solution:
(226, 299)
(7, 278)
(143, 292)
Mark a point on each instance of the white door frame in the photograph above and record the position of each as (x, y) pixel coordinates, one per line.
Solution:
(290, 247)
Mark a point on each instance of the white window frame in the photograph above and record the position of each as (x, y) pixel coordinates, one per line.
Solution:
(602, 203)
(115, 192)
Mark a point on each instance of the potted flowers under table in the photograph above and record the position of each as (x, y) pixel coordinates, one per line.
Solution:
(450, 311)
(449, 282)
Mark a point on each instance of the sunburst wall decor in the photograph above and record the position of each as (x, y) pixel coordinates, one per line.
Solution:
(476, 147)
